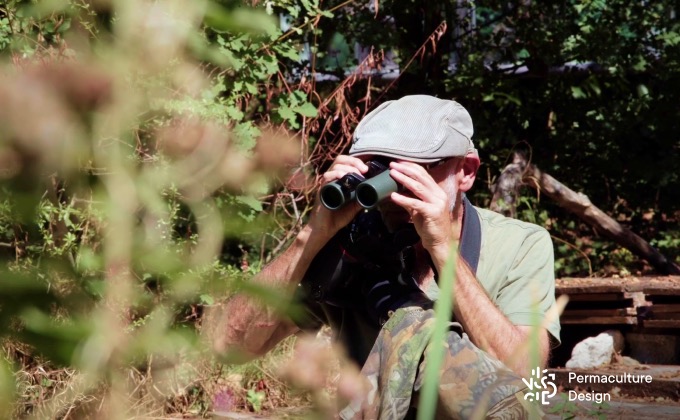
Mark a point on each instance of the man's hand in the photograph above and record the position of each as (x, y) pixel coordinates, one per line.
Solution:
(246, 324)
(327, 223)
(430, 208)
(488, 328)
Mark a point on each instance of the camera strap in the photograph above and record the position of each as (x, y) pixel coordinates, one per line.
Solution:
(469, 249)
(471, 237)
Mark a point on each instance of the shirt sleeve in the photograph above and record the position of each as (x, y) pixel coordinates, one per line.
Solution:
(529, 292)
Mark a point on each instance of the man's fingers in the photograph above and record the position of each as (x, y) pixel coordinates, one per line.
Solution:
(415, 171)
(411, 205)
(425, 192)
(342, 166)
(411, 184)
(351, 161)
(338, 171)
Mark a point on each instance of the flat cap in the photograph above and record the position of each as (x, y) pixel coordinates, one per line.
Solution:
(418, 128)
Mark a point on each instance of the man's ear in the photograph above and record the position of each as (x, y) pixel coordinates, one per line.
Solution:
(469, 172)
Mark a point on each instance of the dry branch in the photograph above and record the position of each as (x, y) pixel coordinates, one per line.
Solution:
(506, 188)
(577, 203)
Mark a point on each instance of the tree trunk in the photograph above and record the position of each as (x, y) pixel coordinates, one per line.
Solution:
(507, 187)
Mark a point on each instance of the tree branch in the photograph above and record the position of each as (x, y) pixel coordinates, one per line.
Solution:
(507, 188)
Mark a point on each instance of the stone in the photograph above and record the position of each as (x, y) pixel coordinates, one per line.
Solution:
(596, 351)
(625, 360)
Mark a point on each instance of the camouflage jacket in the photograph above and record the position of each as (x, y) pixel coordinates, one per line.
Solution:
(472, 383)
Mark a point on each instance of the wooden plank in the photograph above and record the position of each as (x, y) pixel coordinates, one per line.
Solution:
(626, 298)
(596, 320)
(594, 297)
(665, 380)
(617, 408)
(665, 308)
(654, 300)
(661, 323)
(667, 285)
(589, 288)
(639, 298)
(652, 313)
(664, 299)
(599, 312)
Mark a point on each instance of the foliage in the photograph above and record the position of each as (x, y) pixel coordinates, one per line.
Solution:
(567, 409)
(587, 86)
(255, 399)
(154, 154)
(147, 139)
(587, 89)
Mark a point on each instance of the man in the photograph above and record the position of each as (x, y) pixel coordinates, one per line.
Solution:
(373, 281)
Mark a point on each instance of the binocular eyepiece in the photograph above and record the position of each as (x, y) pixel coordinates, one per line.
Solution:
(368, 191)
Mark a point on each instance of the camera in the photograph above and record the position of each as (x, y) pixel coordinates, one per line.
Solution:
(367, 191)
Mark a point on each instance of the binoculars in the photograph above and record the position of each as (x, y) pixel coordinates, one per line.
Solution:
(367, 191)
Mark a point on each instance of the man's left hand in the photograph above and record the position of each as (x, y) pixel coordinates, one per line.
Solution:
(429, 208)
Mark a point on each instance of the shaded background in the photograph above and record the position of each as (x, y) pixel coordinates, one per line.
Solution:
(154, 154)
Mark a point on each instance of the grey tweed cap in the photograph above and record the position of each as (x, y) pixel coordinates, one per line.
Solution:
(417, 128)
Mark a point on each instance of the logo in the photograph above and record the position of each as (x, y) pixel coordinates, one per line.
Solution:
(539, 386)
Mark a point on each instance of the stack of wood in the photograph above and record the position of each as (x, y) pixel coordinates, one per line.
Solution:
(647, 302)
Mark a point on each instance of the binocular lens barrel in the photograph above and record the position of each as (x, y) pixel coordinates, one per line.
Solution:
(370, 192)
(333, 196)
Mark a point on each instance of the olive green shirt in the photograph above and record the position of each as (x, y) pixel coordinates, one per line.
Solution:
(516, 268)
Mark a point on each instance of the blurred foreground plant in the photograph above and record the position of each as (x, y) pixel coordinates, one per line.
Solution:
(124, 165)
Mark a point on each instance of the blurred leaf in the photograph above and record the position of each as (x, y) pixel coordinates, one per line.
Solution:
(56, 340)
(7, 386)
(250, 201)
(240, 20)
(207, 299)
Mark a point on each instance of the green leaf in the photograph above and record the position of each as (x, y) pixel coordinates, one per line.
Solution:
(577, 92)
(251, 202)
(64, 26)
(306, 110)
(642, 90)
(271, 64)
(56, 340)
(287, 114)
(251, 88)
(255, 398)
(240, 20)
(288, 52)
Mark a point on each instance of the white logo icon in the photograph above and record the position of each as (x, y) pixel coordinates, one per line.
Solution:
(539, 387)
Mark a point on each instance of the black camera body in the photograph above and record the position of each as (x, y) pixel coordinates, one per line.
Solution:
(363, 249)
(367, 191)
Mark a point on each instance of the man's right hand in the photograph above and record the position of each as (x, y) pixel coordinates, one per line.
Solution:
(244, 323)
(327, 223)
